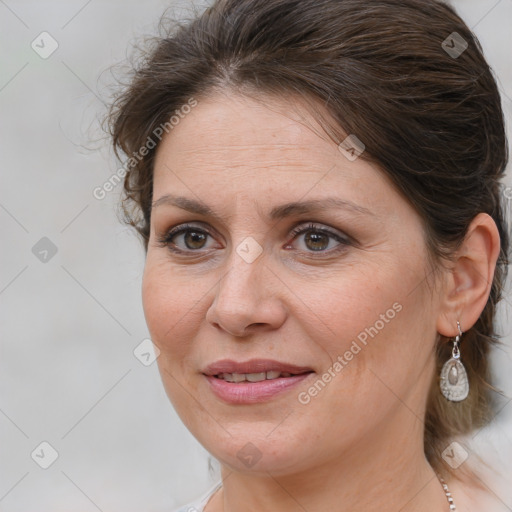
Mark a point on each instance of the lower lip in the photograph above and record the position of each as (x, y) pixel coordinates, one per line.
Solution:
(253, 392)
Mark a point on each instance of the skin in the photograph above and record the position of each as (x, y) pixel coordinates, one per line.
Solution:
(358, 444)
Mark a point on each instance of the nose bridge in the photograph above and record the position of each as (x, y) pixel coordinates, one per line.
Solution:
(242, 297)
(246, 262)
(246, 258)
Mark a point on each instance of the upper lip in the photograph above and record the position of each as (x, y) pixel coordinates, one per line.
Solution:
(253, 366)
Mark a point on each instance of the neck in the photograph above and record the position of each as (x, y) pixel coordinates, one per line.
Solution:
(379, 476)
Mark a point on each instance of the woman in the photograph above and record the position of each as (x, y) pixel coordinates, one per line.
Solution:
(316, 183)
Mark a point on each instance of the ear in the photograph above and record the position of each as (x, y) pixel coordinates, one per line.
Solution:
(468, 282)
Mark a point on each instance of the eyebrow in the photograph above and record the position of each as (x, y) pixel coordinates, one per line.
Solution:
(278, 212)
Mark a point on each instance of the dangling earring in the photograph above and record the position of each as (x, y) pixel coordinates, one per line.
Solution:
(454, 379)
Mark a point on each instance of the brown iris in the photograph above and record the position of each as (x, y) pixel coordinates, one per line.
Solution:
(316, 241)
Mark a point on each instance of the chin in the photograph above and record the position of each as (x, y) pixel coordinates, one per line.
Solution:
(253, 452)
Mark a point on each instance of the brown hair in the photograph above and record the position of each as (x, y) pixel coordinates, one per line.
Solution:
(431, 120)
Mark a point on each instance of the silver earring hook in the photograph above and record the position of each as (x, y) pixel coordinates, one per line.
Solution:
(455, 350)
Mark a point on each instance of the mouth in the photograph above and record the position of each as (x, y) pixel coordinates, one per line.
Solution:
(255, 377)
(255, 381)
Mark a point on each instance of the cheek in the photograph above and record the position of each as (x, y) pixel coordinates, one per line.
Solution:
(172, 310)
(373, 322)
(353, 303)
(171, 307)
(379, 340)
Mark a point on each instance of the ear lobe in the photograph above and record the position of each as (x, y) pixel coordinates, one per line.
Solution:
(470, 277)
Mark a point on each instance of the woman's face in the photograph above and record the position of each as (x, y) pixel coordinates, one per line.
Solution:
(292, 262)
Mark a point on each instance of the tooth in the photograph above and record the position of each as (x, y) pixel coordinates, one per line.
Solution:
(228, 377)
(273, 375)
(286, 374)
(256, 377)
(238, 377)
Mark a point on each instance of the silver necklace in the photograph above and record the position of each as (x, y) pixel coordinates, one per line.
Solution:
(445, 489)
(447, 493)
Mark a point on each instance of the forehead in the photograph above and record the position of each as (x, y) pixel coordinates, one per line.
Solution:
(240, 146)
(245, 130)
(228, 130)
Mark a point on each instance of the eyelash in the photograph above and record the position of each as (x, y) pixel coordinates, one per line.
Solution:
(165, 239)
(343, 241)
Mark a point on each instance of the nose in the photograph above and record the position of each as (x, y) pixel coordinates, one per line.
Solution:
(247, 299)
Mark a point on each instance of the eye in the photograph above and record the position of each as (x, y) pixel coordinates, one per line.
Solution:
(319, 239)
(185, 238)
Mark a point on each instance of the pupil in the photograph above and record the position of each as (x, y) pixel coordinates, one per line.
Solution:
(193, 237)
(317, 240)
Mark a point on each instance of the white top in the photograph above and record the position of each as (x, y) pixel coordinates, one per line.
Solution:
(199, 504)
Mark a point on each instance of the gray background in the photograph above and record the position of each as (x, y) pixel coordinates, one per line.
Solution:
(69, 325)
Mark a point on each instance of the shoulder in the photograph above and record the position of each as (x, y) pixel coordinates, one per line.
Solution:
(199, 504)
(475, 499)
